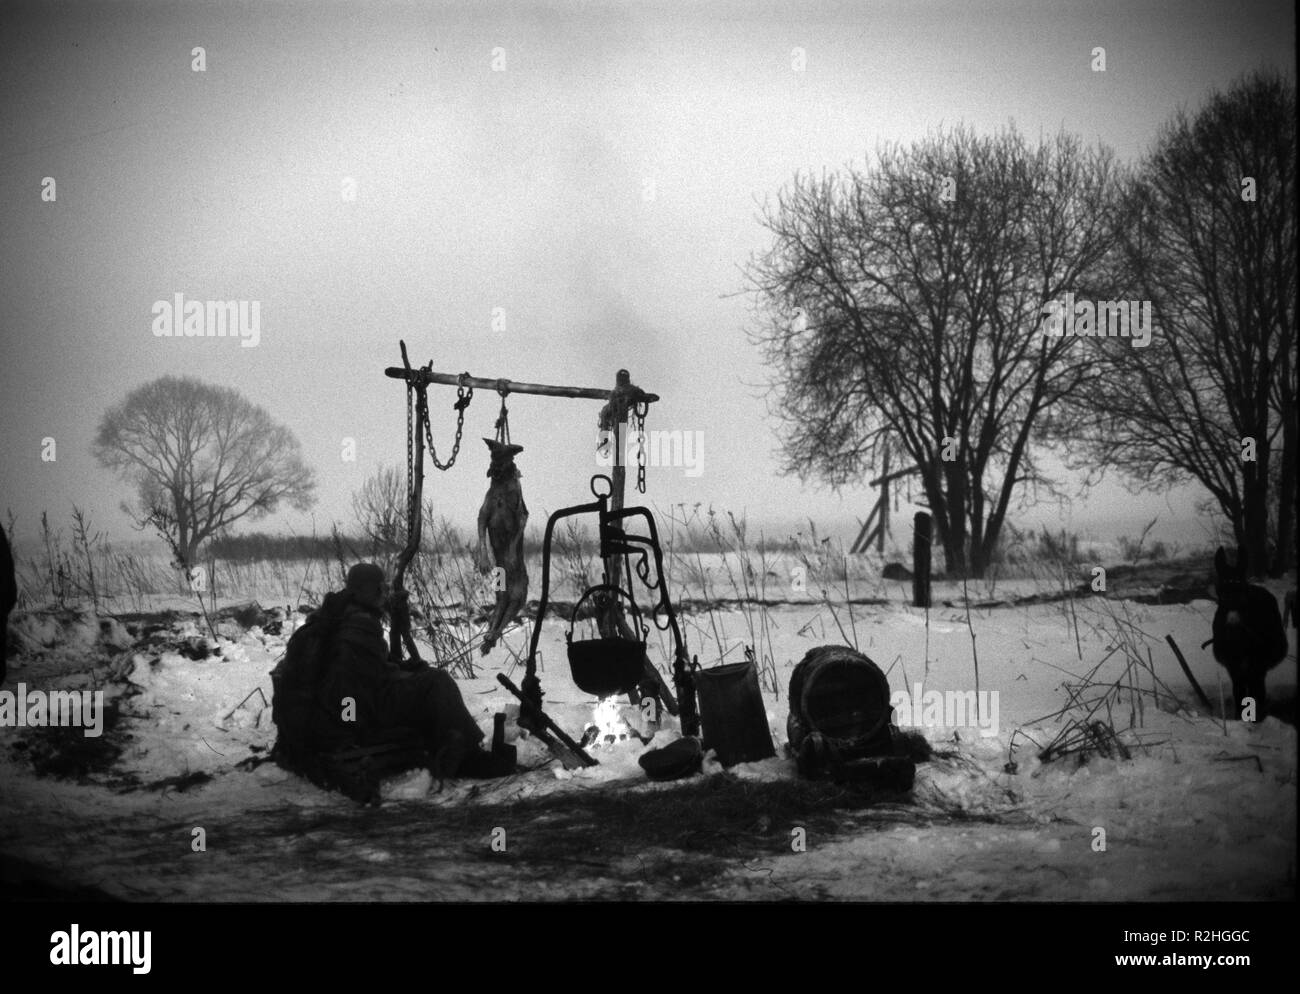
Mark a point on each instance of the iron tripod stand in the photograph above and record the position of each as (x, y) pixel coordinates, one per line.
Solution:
(612, 664)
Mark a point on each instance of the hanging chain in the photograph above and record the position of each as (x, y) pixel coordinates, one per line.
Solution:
(464, 395)
(639, 412)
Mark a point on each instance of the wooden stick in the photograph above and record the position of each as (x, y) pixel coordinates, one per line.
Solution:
(898, 475)
(1187, 670)
(548, 725)
(485, 383)
(256, 690)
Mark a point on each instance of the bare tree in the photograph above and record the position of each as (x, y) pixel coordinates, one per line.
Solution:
(380, 509)
(1209, 237)
(201, 458)
(902, 308)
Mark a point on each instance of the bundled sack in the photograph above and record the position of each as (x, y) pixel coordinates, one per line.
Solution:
(840, 725)
(301, 720)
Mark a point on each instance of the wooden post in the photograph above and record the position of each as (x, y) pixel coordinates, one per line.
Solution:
(921, 560)
(614, 623)
(614, 564)
(880, 509)
(613, 418)
(399, 627)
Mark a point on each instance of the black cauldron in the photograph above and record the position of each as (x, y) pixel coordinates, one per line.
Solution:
(603, 666)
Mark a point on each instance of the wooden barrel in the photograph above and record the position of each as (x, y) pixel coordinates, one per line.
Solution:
(840, 695)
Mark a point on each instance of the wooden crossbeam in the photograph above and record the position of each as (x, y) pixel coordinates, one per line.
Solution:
(513, 386)
(893, 476)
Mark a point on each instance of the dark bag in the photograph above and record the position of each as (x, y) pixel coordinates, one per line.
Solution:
(839, 712)
(733, 714)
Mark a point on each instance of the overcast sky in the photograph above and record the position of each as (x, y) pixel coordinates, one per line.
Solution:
(593, 169)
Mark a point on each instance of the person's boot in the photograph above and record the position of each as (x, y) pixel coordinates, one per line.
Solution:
(449, 757)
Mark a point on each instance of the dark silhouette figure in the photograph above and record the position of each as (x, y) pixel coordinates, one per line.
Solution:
(385, 698)
(8, 598)
(1249, 639)
(501, 522)
(346, 717)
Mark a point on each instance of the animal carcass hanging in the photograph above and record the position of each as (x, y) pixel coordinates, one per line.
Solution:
(501, 522)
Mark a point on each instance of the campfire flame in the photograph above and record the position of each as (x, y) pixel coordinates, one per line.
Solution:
(607, 726)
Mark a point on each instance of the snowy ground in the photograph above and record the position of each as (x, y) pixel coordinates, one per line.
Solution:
(1202, 810)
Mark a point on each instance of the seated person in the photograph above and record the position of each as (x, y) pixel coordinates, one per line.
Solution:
(385, 697)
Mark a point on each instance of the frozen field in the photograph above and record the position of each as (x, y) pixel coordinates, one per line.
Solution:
(1200, 810)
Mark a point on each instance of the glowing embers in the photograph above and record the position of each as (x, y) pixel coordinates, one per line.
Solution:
(615, 722)
(607, 727)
